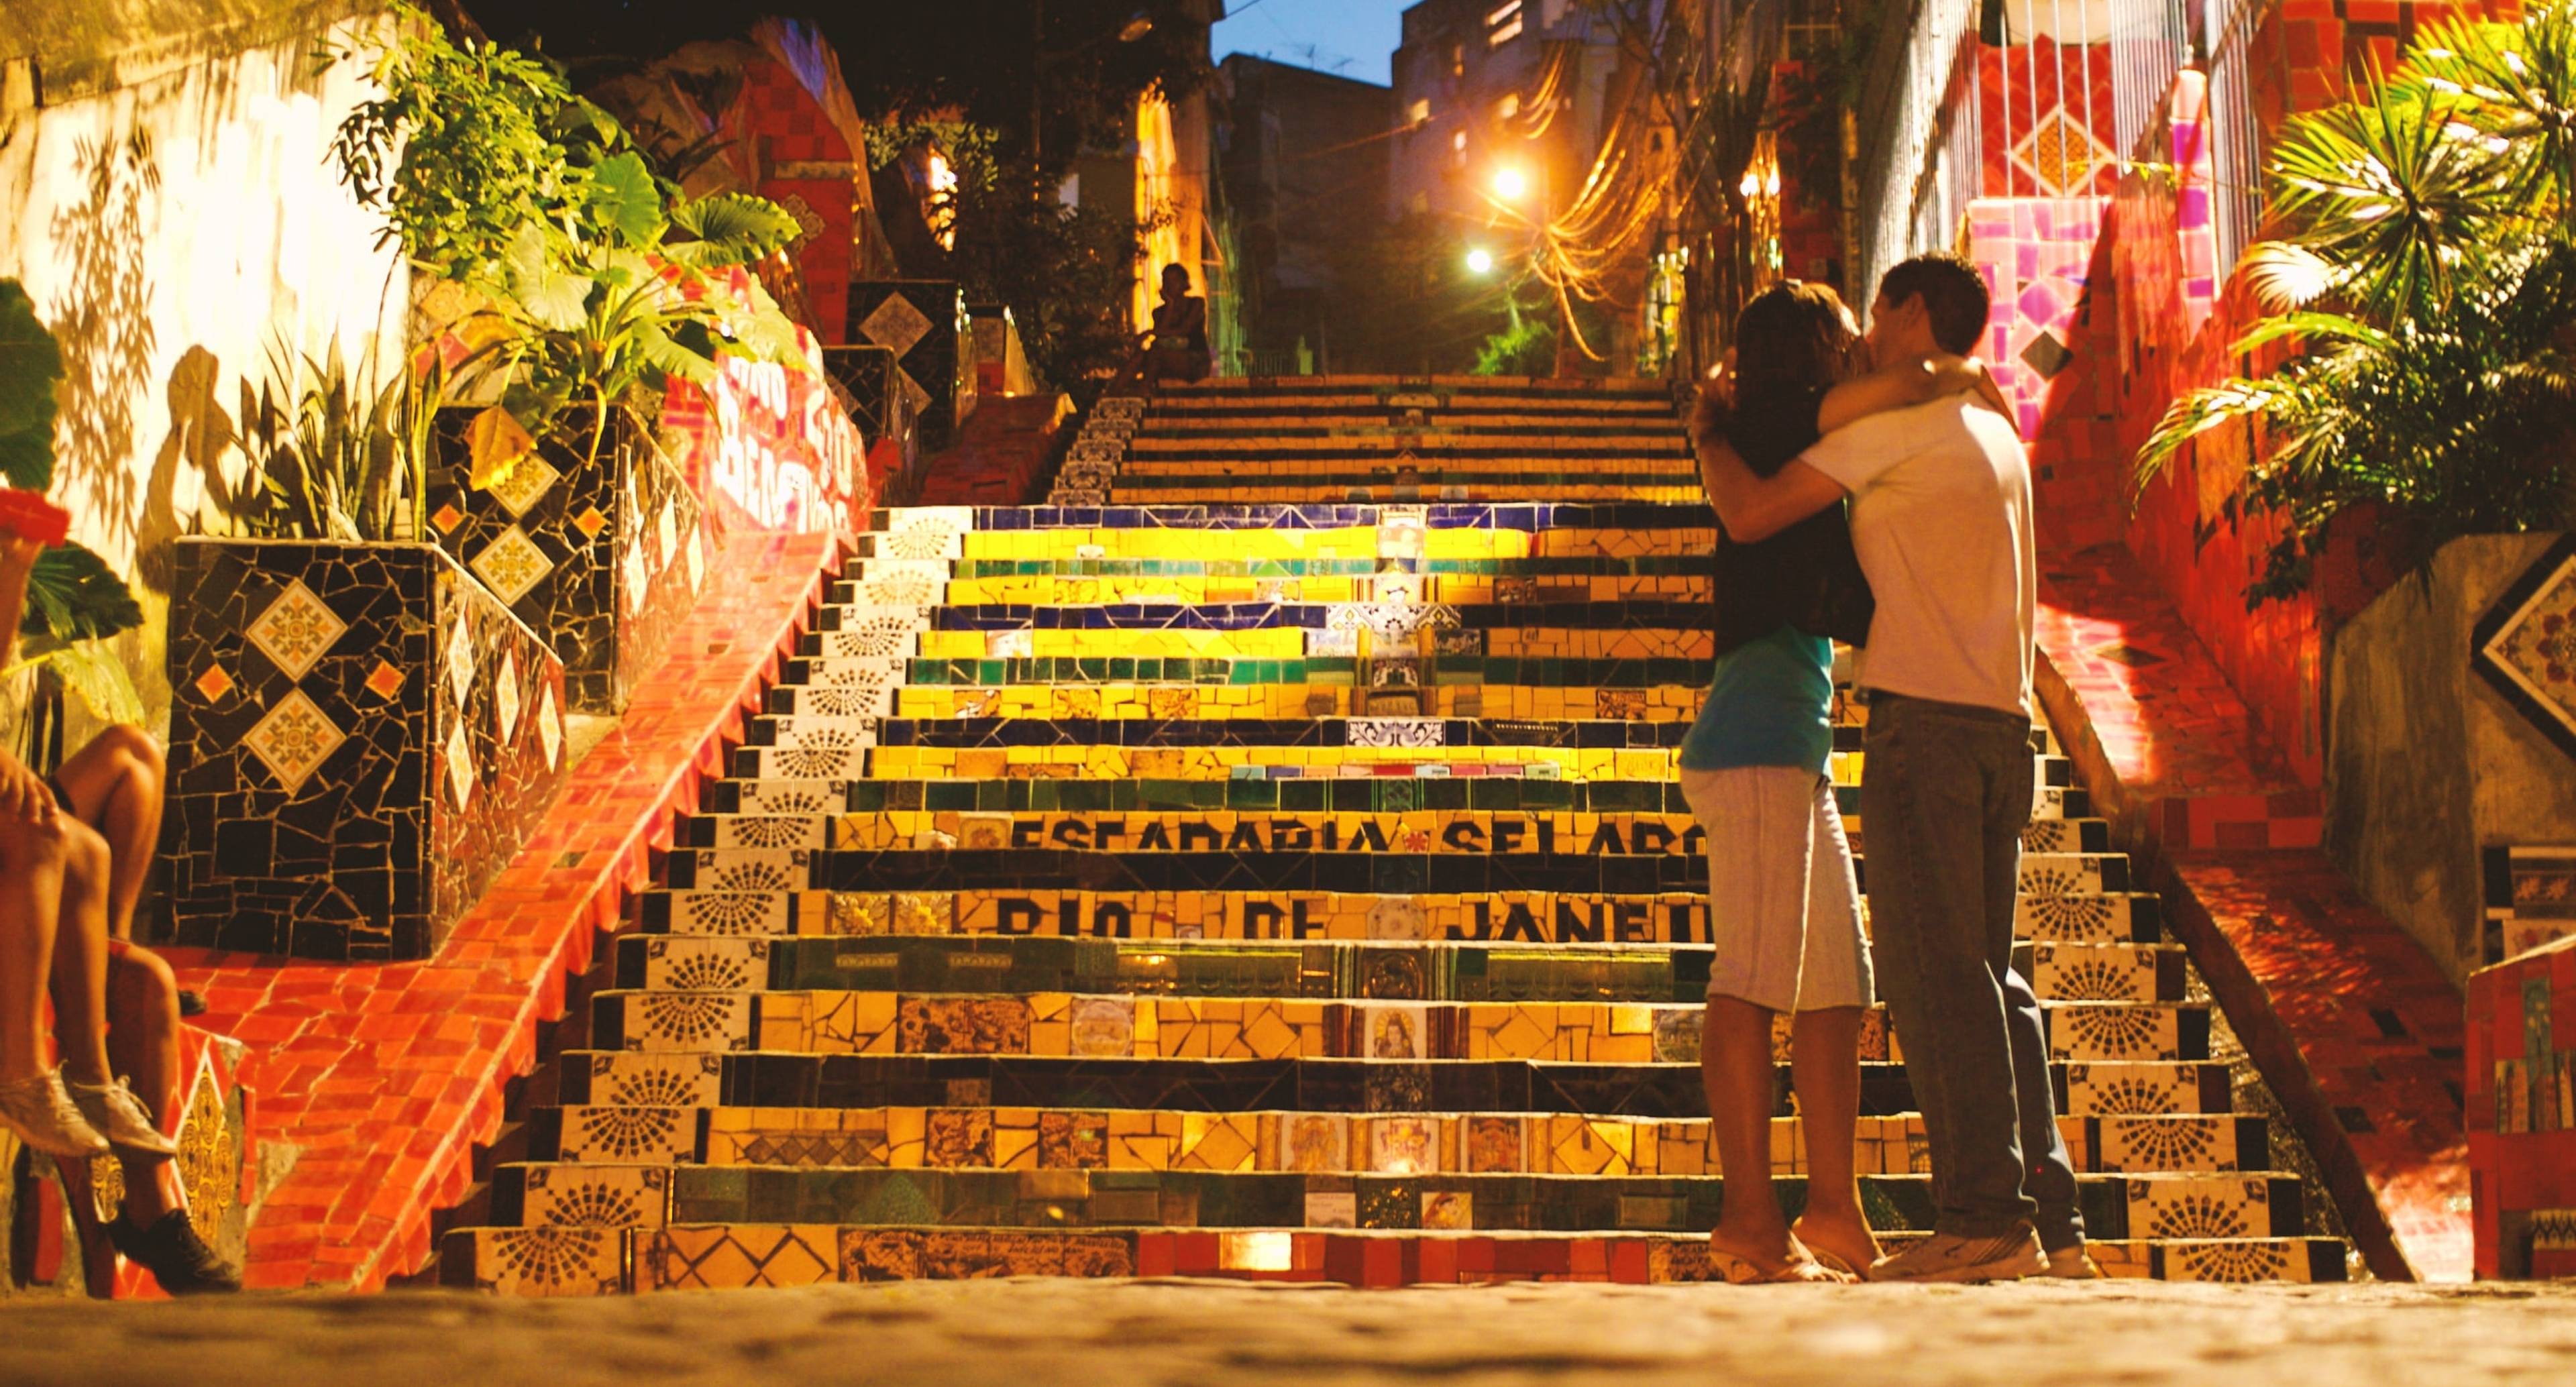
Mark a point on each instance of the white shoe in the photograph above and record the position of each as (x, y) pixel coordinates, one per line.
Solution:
(41, 1113)
(2072, 1263)
(119, 1116)
(1949, 1257)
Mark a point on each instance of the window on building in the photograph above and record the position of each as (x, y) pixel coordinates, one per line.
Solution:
(1420, 203)
(1503, 23)
(1457, 60)
(1419, 113)
(1508, 107)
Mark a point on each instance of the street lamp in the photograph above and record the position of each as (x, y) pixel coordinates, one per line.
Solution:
(1480, 261)
(1511, 185)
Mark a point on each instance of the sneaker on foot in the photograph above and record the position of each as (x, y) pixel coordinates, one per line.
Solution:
(177, 1258)
(119, 1116)
(42, 1114)
(1950, 1257)
(2072, 1263)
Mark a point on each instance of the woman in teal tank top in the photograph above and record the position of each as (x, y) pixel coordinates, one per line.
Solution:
(1784, 904)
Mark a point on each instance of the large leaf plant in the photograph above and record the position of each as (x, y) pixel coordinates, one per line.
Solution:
(594, 275)
(2423, 301)
(74, 600)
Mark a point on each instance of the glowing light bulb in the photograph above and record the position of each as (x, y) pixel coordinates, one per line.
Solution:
(1480, 261)
(1751, 186)
(1510, 185)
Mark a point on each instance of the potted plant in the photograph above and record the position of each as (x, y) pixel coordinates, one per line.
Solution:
(590, 285)
(361, 736)
(2422, 305)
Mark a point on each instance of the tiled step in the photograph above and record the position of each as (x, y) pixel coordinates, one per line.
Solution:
(1429, 486)
(1074, 589)
(558, 1260)
(916, 1138)
(1483, 831)
(631, 1105)
(1213, 454)
(1058, 1025)
(848, 793)
(1374, 971)
(1271, 858)
(755, 900)
(973, 1193)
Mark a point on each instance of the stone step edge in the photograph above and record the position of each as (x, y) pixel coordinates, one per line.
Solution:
(575, 1261)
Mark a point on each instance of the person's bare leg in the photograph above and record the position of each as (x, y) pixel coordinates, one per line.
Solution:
(31, 889)
(115, 786)
(80, 958)
(1736, 1068)
(1825, 1069)
(143, 1042)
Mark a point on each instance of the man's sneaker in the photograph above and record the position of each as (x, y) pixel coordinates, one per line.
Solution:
(2072, 1263)
(177, 1258)
(1949, 1257)
(118, 1115)
(41, 1113)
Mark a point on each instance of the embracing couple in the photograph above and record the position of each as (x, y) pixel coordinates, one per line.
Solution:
(1928, 571)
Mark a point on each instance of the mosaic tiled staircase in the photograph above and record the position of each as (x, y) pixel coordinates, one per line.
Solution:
(1275, 886)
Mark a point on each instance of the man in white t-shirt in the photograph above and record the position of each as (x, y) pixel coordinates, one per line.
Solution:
(1940, 517)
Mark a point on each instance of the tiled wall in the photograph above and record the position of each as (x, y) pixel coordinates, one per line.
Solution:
(601, 557)
(2522, 1113)
(924, 322)
(2044, 114)
(362, 738)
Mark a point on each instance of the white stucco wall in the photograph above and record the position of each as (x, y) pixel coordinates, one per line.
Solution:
(173, 231)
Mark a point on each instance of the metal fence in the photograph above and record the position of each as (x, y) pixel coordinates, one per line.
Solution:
(2235, 137)
(1924, 156)
(1918, 121)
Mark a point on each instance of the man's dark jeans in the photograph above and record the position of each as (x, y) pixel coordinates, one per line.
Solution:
(1946, 792)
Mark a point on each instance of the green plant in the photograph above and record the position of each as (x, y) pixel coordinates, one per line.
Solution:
(74, 601)
(592, 270)
(2425, 297)
(333, 454)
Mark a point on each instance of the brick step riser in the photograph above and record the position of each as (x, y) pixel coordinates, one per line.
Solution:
(612, 1262)
(1551, 1144)
(858, 795)
(1147, 862)
(633, 1079)
(1071, 1026)
(2114, 1207)
(1478, 832)
(745, 905)
(1329, 972)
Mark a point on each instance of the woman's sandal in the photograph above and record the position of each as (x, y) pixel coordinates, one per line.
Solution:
(1832, 1260)
(1805, 1269)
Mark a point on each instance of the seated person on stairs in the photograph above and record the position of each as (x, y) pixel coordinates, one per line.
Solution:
(73, 855)
(1179, 341)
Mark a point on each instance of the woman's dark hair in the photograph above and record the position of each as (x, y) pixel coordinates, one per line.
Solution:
(1789, 343)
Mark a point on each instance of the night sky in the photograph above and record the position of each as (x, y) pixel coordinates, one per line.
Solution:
(1352, 38)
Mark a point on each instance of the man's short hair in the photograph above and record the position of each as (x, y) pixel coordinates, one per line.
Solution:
(1953, 293)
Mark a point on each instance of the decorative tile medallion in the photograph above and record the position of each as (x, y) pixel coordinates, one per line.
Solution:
(385, 680)
(2526, 644)
(505, 697)
(550, 729)
(460, 765)
(896, 324)
(213, 684)
(294, 739)
(511, 565)
(526, 485)
(590, 522)
(295, 630)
